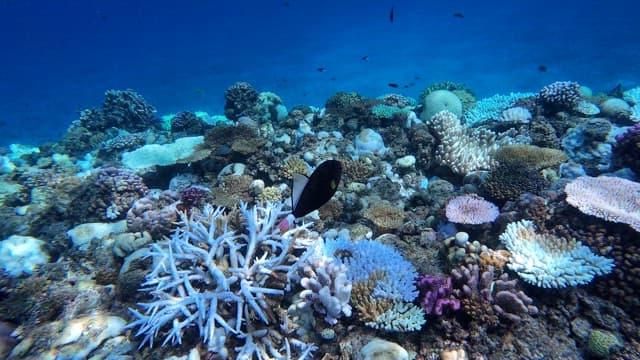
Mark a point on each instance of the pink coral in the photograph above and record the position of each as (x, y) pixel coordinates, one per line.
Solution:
(610, 198)
(471, 209)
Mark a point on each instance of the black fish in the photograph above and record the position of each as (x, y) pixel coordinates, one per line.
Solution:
(310, 193)
(321, 69)
(393, 85)
(458, 15)
(391, 15)
(542, 68)
(364, 58)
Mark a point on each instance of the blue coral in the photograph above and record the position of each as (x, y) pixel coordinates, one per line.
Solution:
(366, 257)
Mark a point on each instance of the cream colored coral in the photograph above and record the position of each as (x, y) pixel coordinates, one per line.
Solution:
(378, 349)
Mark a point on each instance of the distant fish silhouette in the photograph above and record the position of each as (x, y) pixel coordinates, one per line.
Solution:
(364, 58)
(285, 3)
(459, 15)
(542, 68)
(321, 69)
(393, 85)
(391, 15)
(3, 123)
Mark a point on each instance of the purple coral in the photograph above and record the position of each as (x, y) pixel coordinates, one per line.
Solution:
(500, 292)
(471, 209)
(435, 294)
(193, 196)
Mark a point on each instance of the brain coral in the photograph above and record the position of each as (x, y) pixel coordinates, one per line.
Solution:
(610, 198)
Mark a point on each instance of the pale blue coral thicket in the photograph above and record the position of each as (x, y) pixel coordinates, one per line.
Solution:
(491, 107)
(215, 280)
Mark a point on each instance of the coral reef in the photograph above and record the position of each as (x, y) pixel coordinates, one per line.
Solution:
(471, 209)
(128, 110)
(385, 217)
(610, 198)
(530, 156)
(549, 261)
(218, 281)
(459, 148)
(326, 288)
(488, 296)
(435, 294)
(240, 100)
(107, 194)
(560, 96)
(186, 123)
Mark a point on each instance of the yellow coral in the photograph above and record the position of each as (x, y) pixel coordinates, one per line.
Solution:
(270, 193)
(293, 165)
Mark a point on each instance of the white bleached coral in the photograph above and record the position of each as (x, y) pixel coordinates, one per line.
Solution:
(218, 281)
(460, 148)
(549, 261)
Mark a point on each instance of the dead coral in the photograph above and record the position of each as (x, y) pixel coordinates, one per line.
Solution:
(232, 190)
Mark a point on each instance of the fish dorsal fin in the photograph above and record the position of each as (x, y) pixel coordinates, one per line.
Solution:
(299, 183)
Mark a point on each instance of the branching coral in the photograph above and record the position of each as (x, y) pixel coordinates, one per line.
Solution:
(549, 261)
(219, 281)
(462, 149)
(382, 278)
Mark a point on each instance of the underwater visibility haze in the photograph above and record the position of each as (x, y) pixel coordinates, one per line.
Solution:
(352, 179)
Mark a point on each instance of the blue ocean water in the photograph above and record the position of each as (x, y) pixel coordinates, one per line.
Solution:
(60, 57)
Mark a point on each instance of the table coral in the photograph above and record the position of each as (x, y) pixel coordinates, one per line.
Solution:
(610, 198)
(549, 261)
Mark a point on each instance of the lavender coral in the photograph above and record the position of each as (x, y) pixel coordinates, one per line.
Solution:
(435, 294)
(610, 198)
(471, 209)
(218, 281)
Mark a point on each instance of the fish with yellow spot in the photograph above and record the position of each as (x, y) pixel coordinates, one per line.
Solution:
(310, 193)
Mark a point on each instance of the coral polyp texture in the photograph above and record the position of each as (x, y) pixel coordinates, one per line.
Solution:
(611, 198)
(471, 209)
(549, 261)
(561, 95)
(218, 281)
(460, 148)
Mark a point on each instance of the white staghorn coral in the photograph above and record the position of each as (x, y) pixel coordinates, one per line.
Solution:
(214, 279)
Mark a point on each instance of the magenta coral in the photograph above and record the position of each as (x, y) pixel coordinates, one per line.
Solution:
(471, 209)
(610, 198)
